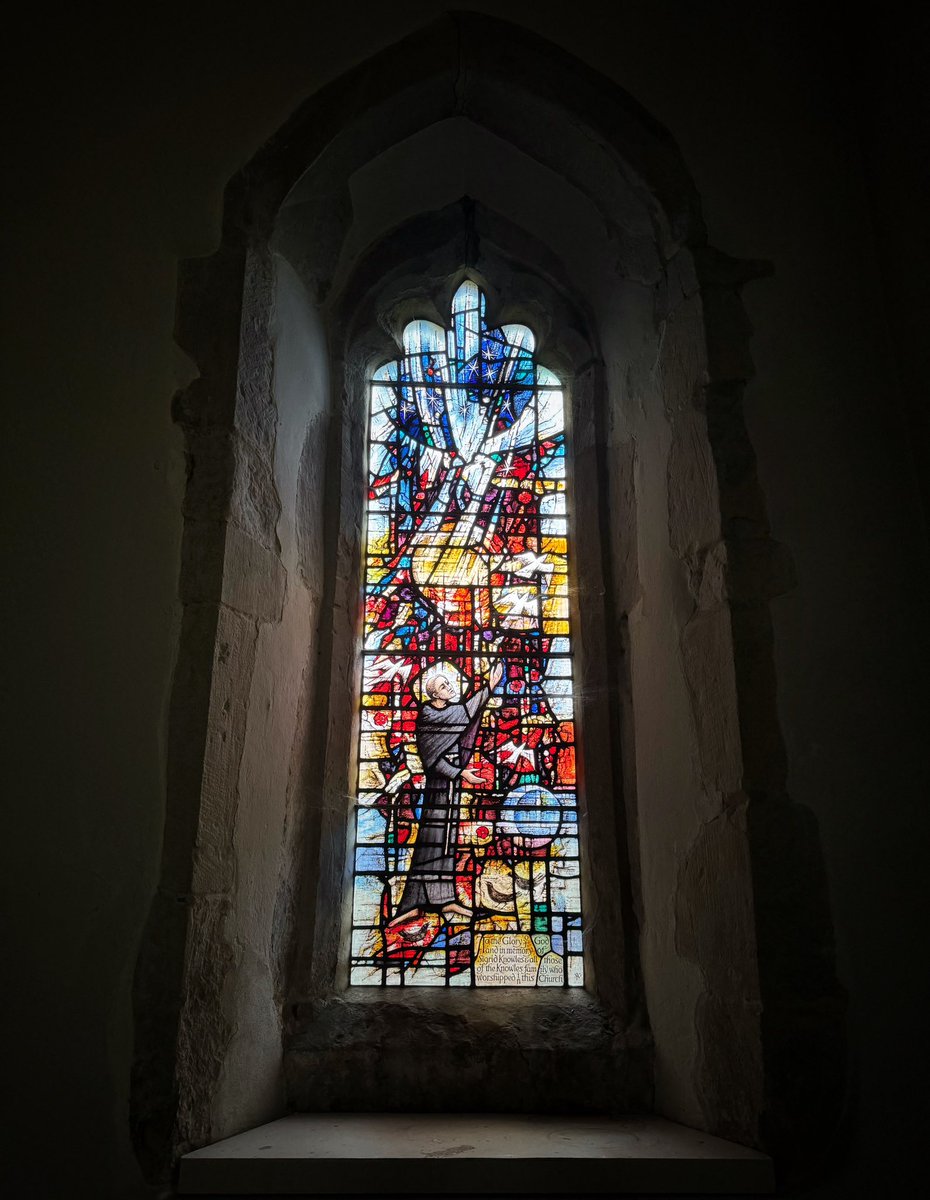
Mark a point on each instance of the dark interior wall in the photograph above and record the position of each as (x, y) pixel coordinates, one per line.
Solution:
(125, 132)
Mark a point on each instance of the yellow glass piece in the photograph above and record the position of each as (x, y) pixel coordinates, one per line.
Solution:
(374, 700)
(370, 777)
(506, 960)
(554, 628)
(373, 745)
(555, 606)
(438, 564)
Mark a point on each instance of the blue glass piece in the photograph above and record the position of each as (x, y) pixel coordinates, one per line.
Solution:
(388, 371)
(370, 824)
(369, 859)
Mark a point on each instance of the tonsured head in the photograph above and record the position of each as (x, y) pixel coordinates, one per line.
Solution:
(439, 687)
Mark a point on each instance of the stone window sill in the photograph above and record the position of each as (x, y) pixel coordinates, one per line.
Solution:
(394, 1153)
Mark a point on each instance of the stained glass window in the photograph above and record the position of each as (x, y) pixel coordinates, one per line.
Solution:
(466, 859)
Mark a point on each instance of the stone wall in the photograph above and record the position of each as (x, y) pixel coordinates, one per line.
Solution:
(672, 944)
(124, 134)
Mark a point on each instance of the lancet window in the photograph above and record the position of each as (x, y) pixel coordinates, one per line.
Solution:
(466, 845)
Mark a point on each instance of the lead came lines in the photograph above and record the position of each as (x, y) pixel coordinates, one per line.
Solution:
(466, 838)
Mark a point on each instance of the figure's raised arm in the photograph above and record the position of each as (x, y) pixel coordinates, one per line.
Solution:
(475, 703)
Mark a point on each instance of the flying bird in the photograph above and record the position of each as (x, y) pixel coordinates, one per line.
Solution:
(512, 752)
(384, 669)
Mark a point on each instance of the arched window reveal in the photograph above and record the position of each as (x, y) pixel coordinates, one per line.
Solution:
(466, 857)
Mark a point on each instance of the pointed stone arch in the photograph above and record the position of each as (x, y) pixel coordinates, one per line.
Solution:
(231, 1024)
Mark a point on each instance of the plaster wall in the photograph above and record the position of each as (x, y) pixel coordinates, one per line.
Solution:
(117, 172)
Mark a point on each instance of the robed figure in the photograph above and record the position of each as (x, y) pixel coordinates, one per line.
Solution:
(445, 734)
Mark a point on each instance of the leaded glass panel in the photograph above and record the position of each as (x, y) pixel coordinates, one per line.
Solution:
(466, 848)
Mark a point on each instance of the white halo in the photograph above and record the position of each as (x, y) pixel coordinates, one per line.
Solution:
(444, 670)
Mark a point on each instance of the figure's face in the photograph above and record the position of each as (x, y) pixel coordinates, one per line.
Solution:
(443, 689)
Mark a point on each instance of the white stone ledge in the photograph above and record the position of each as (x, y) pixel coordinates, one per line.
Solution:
(368, 1154)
